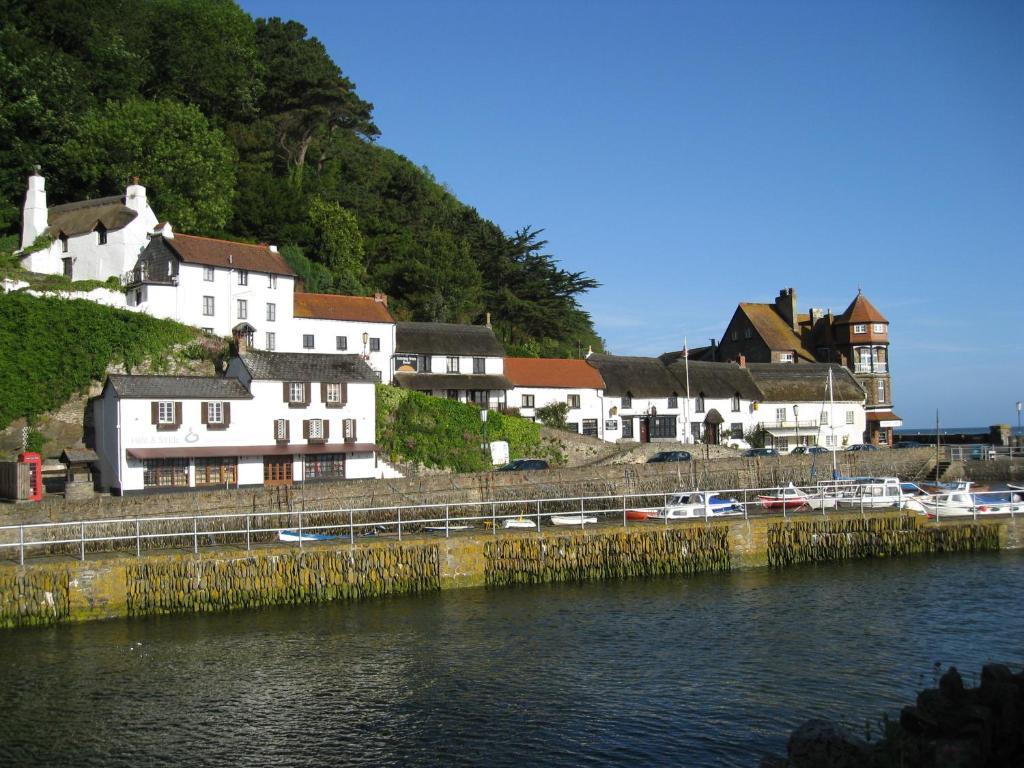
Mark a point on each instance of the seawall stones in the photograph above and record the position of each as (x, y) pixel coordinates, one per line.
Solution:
(34, 598)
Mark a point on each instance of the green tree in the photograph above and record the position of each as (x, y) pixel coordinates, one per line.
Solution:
(339, 245)
(186, 164)
(316, 278)
(553, 414)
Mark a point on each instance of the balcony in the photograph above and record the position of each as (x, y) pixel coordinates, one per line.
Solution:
(139, 276)
(791, 424)
(878, 367)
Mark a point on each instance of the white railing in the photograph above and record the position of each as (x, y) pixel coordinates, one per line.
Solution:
(981, 452)
(398, 521)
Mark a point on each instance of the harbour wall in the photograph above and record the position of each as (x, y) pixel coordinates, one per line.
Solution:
(114, 585)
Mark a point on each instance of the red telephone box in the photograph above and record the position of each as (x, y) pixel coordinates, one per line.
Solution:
(35, 474)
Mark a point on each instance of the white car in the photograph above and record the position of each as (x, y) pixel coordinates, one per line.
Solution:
(691, 504)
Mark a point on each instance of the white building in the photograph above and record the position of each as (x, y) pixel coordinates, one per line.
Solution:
(537, 382)
(216, 285)
(92, 239)
(275, 419)
(363, 325)
(459, 362)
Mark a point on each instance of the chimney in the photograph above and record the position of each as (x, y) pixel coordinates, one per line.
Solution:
(135, 196)
(742, 360)
(34, 220)
(487, 322)
(590, 350)
(241, 340)
(165, 230)
(381, 298)
(785, 305)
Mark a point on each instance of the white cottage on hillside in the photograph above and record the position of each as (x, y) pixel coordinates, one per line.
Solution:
(275, 419)
(537, 382)
(92, 239)
(363, 325)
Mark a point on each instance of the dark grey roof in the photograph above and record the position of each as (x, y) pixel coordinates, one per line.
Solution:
(78, 455)
(717, 380)
(435, 381)
(447, 339)
(639, 376)
(804, 382)
(177, 387)
(297, 366)
(81, 217)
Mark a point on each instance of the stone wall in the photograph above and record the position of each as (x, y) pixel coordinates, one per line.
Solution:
(34, 596)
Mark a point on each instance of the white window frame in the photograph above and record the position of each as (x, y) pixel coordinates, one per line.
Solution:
(271, 341)
(528, 401)
(780, 415)
(280, 429)
(271, 312)
(209, 306)
(243, 309)
(243, 277)
(215, 412)
(849, 417)
(333, 393)
(452, 364)
(573, 401)
(824, 419)
(165, 412)
(878, 327)
(786, 357)
(860, 328)
(208, 274)
(271, 281)
(316, 429)
(296, 392)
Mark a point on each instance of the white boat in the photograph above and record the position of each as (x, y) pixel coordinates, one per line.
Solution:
(789, 497)
(520, 522)
(692, 504)
(450, 527)
(286, 535)
(577, 520)
(962, 503)
(874, 493)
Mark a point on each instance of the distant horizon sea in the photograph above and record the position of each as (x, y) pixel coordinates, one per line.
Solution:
(930, 430)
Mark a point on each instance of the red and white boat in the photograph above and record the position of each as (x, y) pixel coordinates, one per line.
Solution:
(639, 514)
(789, 497)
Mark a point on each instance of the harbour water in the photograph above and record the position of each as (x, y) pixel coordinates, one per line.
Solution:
(713, 670)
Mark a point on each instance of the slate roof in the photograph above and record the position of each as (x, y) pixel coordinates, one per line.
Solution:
(228, 254)
(326, 306)
(716, 380)
(177, 387)
(81, 217)
(298, 366)
(466, 381)
(447, 339)
(775, 331)
(548, 372)
(640, 376)
(783, 382)
(861, 311)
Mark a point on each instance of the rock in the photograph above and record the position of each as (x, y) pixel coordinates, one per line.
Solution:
(824, 744)
(951, 686)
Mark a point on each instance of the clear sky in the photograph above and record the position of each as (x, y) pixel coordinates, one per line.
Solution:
(690, 156)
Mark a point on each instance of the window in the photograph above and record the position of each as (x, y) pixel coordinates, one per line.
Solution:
(348, 429)
(165, 473)
(627, 428)
(425, 363)
(479, 396)
(316, 429)
(296, 392)
(243, 277)
(63, 243)
(735, 335)
(453, 394)
(220, 470)
(695, 431)
(698, 405)
(332, 393)
(527, 401)
(374, 344)
(165, 412)
(573, 401)
(627, 400)
(453, 365)
(208, 274)
(663, 426)
(748, 333)
(736, 403)
(281, 429)
(101, 234)
(881, 390)
(378, 376)
(478, 365)
(271, 342)
(736, 430)
(307, 341)
(341, 343)
(780, 415)
(824, 418)
(590, 427)
(860, 328)
(215, 413)
(271, 312)
(207, 330)
(208, 306)
(673, 400)
(781, 443)
(325, 466)
(271, 281)
(849, 417)
(138, 297)
(878, 327)
(572, 426)
(785, 357)
(243, 309)
(830, 441)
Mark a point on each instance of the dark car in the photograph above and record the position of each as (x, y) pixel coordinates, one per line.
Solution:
(751, 452)
(807, 450)
(520, 464)
(663, 456)
(908, 444)
(863, 447)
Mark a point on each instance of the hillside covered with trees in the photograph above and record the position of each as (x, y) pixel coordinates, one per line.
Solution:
(246, 128)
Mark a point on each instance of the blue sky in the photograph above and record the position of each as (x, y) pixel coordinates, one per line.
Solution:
(690, 156)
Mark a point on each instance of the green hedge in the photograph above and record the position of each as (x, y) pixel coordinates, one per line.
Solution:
(446, 434)
(51, 348)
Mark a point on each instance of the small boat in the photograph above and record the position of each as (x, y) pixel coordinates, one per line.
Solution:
(639, 514)
(692, 504)
(286, 535)
(576, 520)
(874, 493)
(449, 527)
(962, 503)
(789, 497)
(520, 522)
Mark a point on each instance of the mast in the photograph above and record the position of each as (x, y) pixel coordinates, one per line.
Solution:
(686, 363)
(832, 421)
(938, 439)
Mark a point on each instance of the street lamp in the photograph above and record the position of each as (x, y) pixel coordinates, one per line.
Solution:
(796, 420)
(483, 420)
(1019, 435)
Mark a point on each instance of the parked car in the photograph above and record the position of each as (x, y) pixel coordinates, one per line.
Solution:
(521, 464)
(751, 452)
(663, 456)
(980, 452)
(863, 447)
(807, 450)
(908, 444)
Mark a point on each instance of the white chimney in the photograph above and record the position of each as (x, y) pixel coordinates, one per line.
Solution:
(34, 219)
(165, 230)
(135, 196)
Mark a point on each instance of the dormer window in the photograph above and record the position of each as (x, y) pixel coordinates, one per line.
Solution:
(786, 357)
(673, 400)
(736, 403)
(860, 328)
(63, 243)
(101, 234)
(699, 403)
(243, 277)
(627, 400)
(878, 327)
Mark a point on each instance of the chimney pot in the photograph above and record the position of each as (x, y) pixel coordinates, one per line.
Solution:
(742, 360)
(488, 321)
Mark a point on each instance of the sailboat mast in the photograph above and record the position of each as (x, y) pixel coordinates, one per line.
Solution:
(832, 419)
(686, 363)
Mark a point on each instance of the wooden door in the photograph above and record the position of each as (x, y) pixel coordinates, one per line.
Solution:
(645, 427)
(277, 470)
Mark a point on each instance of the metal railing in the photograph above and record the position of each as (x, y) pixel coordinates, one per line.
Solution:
(981, 452)
(395, 522)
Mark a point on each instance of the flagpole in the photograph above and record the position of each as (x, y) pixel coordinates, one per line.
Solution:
(686, 359)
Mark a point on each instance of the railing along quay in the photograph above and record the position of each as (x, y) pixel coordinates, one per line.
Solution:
(394, 522)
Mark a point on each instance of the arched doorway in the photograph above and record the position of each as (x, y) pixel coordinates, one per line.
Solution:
(712, 427)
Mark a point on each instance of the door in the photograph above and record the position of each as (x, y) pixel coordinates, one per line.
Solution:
(645, 430)
(711, 433)
(277, 470)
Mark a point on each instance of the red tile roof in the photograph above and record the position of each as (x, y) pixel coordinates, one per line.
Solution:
(881, 416)
(328, 306)
(548, 372)
(775, 331)
(227, 253)
(861, 311)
